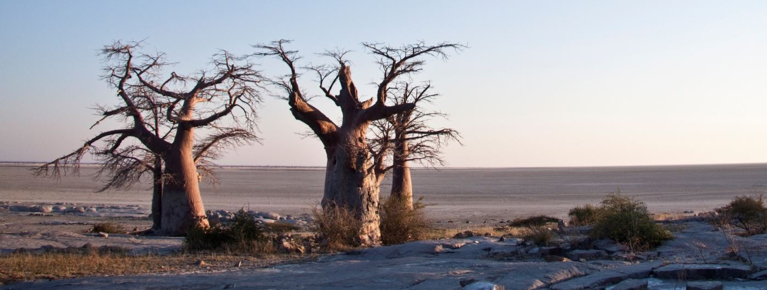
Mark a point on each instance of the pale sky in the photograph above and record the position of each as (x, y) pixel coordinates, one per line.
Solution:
(543, 83)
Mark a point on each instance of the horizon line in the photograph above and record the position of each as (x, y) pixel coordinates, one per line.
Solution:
(441, 167)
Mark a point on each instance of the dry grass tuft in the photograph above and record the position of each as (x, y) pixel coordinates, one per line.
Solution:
(534, 221)
(539, 235)
(401, 224)
(18, 267)
(338, 228)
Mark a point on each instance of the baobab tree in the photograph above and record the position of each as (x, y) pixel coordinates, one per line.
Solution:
(408, 137)
(181, 104)
(350, 180)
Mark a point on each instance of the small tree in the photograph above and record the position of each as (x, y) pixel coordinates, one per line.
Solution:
(350, 180)
(180, 104)
(408, 137)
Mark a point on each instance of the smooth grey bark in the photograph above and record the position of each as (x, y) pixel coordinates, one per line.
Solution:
(182, 207)
(350, 184)
(402, 183)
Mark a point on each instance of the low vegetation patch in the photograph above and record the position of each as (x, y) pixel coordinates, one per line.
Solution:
(627, 221)
(745, 212)
(534, 221)
(109, 228)
(400, 223)
(584, 215)
(242, 235)
(539, 235)
(22, 266)
(337, 228)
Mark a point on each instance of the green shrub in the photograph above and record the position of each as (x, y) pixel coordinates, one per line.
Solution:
(584, 215)
(627, 221)
(747, 213)
(400, 223)
(534, 221)
(109, 228)
(338, 228)
(241, 235)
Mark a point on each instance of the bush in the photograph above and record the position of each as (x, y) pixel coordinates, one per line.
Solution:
(109, 228)
(242, 235)
(627, 221)
(534, 221)
(747, 213)
(338, 228)
(584, 215)
(539, 235)
(400, 223)
(213, 238)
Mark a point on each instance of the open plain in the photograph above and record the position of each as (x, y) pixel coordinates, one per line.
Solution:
(465, 199)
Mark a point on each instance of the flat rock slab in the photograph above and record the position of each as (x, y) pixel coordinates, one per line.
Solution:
(527, 276)
(608, 277)
(631, 284)
(705, 285)
(758, 275)
(483, 286)
(703, 272)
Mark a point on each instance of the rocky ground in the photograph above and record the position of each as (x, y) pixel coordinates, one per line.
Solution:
(700, 257)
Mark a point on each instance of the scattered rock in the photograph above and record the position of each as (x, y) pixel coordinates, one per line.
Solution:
(453, 246)
(92, 209)
(22, 208)
(59, 208)
(483, 286)
(631, 284)
(214, 220)
(78, 209)
(42, 208)
(270, 215)
(265, 221)
(703, 271)
(705, 285)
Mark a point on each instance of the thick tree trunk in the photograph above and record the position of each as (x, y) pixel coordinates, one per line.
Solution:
(402, 185)
(182, 207)
(350, 183)
(157, 194)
